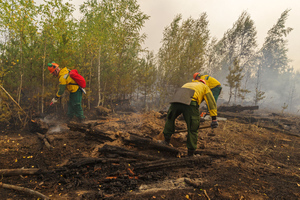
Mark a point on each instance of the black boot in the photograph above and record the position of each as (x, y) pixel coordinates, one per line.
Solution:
(191, 152)
(167, 140)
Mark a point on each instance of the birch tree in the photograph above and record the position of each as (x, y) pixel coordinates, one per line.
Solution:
(238, 44)
(183, 52)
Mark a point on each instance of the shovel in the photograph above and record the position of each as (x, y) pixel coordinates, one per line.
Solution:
(185, 130)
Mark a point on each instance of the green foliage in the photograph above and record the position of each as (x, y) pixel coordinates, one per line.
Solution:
(284, 107)
(238, 46)
(115, 26)
(147, 74)
(105, 45)
(234, 79)
(274, 50)
(183, 51)
(5, 114)
(258, 96)
(272, 63)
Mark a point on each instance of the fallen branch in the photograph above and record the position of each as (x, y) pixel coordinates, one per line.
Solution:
(13, 99)
(206, 194)
(15, 172)
(22, 189)
(43, 137)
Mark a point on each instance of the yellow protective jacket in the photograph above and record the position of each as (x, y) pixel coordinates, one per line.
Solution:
(65, 81)
(210, 81)
(202, 91)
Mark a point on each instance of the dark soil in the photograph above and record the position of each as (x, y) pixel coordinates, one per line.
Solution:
(248, 159)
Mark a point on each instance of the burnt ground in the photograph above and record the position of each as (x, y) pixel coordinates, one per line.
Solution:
(249, 156)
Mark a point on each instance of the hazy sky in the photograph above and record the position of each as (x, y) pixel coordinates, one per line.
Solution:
(222, 14)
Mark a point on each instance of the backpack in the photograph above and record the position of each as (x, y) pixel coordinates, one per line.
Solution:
(77, 78)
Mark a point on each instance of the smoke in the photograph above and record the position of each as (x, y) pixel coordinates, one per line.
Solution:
(54, 125)
(55, 129)
(281, 91)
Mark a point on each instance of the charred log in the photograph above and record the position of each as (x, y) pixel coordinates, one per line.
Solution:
(76, 163)
(279, 124)
(126, 153)
(237, 108)
(93, 132)
(149, 143)
(172, 163)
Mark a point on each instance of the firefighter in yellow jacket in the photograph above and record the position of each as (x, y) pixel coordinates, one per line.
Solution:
(66, 82)
(213, 84)
(186, 101)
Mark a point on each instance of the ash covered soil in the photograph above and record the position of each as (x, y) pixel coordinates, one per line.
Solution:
(249, 156)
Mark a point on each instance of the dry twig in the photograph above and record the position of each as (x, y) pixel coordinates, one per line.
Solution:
(206, 194)
(22, 189)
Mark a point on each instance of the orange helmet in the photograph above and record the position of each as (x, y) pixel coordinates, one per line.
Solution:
(52, 67)
(197, 74)
(203, 81)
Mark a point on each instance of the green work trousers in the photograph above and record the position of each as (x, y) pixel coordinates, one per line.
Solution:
(216, 92)
(192, 118)
(74, 105)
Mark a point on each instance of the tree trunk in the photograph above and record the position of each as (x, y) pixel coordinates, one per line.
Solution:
(21, 68)
(43, 77)
(99, 73)
(90, 82)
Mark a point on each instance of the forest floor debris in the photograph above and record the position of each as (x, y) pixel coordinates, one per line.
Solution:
(116, 157)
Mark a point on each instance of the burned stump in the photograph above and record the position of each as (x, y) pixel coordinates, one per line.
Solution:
(37, 125)
(102, 111)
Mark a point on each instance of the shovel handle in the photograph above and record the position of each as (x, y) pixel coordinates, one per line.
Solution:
(203, 127)
(185, 130)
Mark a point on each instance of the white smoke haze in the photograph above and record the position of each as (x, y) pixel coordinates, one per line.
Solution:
(55, 125)
(46, 120)
(55, 129)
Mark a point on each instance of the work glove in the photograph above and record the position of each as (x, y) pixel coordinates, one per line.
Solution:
(214, 124)
(54, 100)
